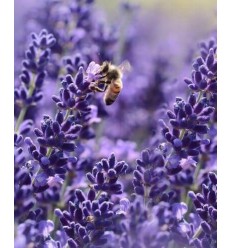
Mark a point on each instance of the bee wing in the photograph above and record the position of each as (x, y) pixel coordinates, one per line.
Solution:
(125, 66)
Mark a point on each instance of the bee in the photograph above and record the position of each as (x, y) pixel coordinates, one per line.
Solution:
(111, 80)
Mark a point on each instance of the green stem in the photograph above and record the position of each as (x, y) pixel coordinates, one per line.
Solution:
(20, 118)
(199, 96)
(98, 194)
(67, 114)
(145, 199)
(198, 232)
(25, 108)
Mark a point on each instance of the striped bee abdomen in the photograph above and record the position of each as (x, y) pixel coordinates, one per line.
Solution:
(112, 92)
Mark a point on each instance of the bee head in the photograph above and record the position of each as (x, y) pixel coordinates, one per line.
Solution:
(105, 67)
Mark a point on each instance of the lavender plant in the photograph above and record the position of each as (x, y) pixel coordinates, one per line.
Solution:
(90, 176)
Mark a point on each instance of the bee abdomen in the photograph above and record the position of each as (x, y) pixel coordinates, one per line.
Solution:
(110, 97)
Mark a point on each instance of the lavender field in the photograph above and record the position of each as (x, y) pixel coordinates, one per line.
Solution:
(115, 139)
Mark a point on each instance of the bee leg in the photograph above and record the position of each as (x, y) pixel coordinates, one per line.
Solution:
(99, 89)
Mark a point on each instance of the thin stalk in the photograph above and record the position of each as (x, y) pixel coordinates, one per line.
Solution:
(198, 232)
(25, 108)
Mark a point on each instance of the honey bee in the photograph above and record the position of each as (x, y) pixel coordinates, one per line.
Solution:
(111, 80)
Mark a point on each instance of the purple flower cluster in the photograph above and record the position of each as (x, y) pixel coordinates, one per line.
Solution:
(139, 173)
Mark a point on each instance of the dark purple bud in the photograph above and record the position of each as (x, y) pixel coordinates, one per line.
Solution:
(203, 84)
(202, 213)
(200, 61)
(55, 99)
(139, 190)
(203, 129)
(168, 136)
(69, 147)
(73, 88)
(66, 125)
(72, 243)
(212, 197)
(198, 107)
(192, 195)
(188, 109)
(66, 95)
(200, 198)
(105, 165)
(69, 79)
(174, 123)
(79, 77)
(207, 111)
(23, 93)
(192, 99)
(40, 79)
(119, 167)
(59, 118)
(197, 203)
(82, 231)
(61, 162)
(195, 66)
(112, 160)
(116, 188)
(214, 214)
(42, 141)
(95, 205)
(206, 227)
(78, 215)
(173, 170)
(138, 175)
(75, 128)
(193, 152)
(171, 115)
(104, 207)
(194, 144)
(51, 42)
(112, 173)
(81, 105)
(55, 127)
(91, 195)
(67, 215)
(198, 77)
(100, 178)
(210, 60)
(214, 68)
(213, 178)
(58, 212)
(176, 132)
(203, 119)
(212, 87)
(177, 143)
(147, 176)
(159, 160)
(188, 81)
(45, 160)
(140, 163)
(193, 87)
(203, 70)
(145, 156)
(80, 196)
(28, 141)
